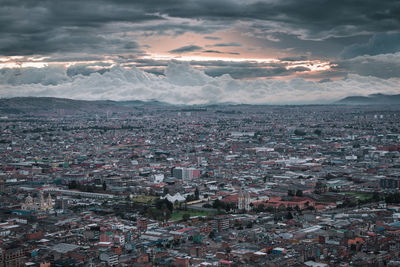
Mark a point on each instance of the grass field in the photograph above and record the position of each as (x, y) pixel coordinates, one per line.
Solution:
(360, 196)
(144, 199)
(177, 215)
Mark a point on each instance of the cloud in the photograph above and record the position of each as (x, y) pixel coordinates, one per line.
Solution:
(99, 27)
(382, 65)
(294, 58)
(213, 51)
(186, 49)
(182, 84)
(44, 76)
(240, 73)
(87, 69)
(327, 80)
(310, 19)
(43, 27)
(220, 52)
(383, 43)
(212, 38)
(228, 44)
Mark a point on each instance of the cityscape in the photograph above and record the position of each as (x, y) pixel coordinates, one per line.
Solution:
(217, 185)
(199, 133)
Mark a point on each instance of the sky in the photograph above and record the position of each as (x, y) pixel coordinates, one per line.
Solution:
(200, 52)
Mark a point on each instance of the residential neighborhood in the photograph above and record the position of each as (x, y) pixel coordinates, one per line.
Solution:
(217, 185)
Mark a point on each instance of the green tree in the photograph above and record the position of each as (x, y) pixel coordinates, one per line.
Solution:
(72, 185)
(318, 132)
(217, 204)
(299, 193)
(165, 191)
(164, 203)
(212, 234)
(104, 186)
(186, 216)
(376, 197)
(270, 209)
(299, 132)
(260, 208)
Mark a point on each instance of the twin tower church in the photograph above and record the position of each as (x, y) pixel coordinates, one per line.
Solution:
(244, 200)
(38, 204)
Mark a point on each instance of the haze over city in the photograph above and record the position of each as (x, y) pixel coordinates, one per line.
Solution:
(200, 52)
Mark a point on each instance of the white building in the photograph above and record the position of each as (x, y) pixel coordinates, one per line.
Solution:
(110, 258)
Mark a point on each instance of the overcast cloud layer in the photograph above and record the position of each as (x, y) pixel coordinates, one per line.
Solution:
(109, 49)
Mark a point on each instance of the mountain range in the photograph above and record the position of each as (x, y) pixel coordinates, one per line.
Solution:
(47, 105)
(374, 99)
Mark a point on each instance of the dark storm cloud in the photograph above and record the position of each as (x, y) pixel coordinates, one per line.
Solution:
(131, 45)
(383, 66)
(186, 49)
(228, 44)
(316, 19)
(173, 28)
(64, 40)
(220, 52)
(379, 44)
(41, 27)
(72, 57)
(379, 57)
(297, 58)
(327, 48)
(213, 51)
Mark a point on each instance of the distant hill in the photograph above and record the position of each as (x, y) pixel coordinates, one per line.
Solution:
(374, 99)
(62, 106)
(141, 103)
(52, 105)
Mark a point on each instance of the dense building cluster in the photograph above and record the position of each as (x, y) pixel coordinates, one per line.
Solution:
(223, 185)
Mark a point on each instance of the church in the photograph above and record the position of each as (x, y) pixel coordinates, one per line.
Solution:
(244, 200)
(38, 204)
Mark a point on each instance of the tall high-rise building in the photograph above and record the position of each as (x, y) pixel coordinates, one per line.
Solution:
(185, 174)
